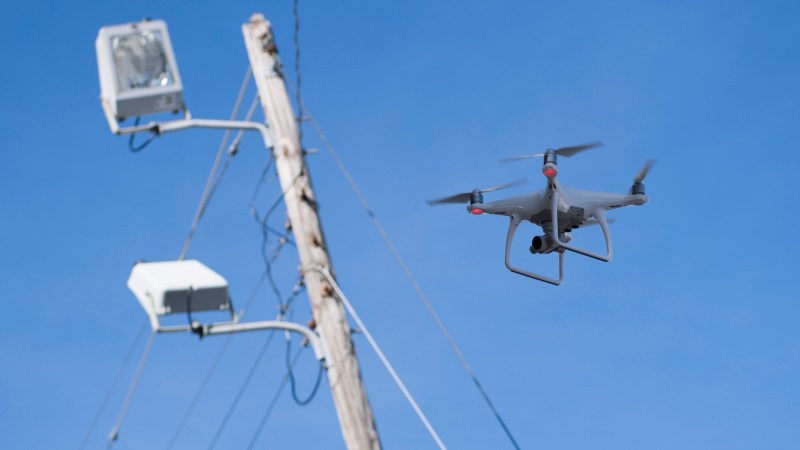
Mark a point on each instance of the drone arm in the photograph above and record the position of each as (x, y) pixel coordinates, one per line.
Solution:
(600, 215)
(512, 229)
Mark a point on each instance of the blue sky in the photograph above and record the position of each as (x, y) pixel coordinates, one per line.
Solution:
(688, 339)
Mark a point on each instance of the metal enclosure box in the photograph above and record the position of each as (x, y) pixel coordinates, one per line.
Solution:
(175, 286)
(147, 97)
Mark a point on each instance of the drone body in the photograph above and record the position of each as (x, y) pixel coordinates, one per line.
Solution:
(558, 210)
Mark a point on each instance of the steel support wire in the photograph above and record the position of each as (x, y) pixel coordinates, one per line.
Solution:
(114, 434)
(251, 373)
(325, 273)
(114, 384)
(213, 179)
(242, 388)
(401, 262)
(274, 401)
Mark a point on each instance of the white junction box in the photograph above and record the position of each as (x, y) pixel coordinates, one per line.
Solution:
(178, 286)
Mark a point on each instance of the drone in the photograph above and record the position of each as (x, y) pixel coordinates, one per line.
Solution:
(558, 210)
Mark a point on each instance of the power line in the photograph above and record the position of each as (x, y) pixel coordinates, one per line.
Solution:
(401, 262)
(242, 388)
(296, 11)
(213, 177)
(249, 377)
(382, 357)
(137, 148)
(307, 400)
(114, 434)
(213, 368)
(273, 402)
(266, 229)
(114, 384)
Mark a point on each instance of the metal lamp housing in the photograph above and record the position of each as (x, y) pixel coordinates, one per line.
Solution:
(138, 72)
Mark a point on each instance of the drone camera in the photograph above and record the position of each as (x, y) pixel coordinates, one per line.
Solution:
(544, 244)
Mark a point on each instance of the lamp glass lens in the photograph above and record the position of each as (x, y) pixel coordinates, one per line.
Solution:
(141, 61)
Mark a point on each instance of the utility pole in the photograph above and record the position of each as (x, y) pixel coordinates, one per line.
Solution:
(347, 387)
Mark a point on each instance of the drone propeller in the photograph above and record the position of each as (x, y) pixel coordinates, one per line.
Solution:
(645, 169)
(465, 196)
(638, 187)
(563, 151)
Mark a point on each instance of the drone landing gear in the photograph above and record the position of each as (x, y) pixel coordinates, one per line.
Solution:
(601, 220)
(512, 229)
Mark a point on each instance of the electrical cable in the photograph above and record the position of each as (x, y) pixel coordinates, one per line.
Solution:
(265, 228)
(213, 178)
(401, 262)
(379, 352)
(272, 403)
(296, 11)
(265, 275)
(250, 374)
(210, 372)
(114, 434)
(199, 392)
(140, 147)
(292, 380)
(114, 384)
(242, 388)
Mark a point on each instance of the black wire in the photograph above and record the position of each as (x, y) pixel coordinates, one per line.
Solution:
(199, 392)
(140, 147)
(266, 229)
(212, 369)
(292, 380)
(189, 306)
(272, 404)
(242, 388)
(296, 10)
(113, 386)
(298, 288)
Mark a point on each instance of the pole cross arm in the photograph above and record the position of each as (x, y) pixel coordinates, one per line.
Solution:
(317, 343)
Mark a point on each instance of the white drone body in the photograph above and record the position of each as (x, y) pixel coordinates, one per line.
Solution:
(556, 209)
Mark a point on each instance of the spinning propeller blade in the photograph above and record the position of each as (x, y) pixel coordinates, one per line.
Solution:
(637, 188)
(563, 151)
(519, 158)
(465, 196)
(645, 169)
(570, 151)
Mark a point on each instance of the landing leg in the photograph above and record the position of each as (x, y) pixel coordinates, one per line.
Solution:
(601, 219)
(512, 229)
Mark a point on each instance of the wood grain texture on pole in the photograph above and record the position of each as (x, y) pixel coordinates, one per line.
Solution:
(347, 387)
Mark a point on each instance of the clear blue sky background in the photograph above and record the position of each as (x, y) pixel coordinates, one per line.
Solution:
(688, 339)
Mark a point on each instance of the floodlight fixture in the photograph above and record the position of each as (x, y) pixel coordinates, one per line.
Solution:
(172, 287)
(138, 72)
(186, 286)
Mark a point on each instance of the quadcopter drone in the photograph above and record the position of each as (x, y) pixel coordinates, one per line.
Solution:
(557, 209)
